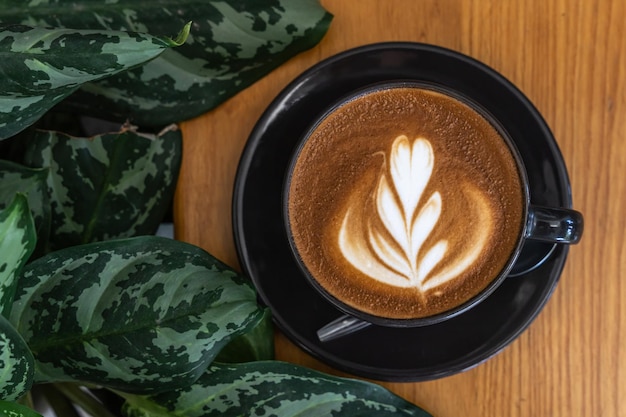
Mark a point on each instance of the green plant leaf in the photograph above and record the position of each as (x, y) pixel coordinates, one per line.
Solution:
(141, 315)
(272, 389)
(16, 364)
(39, 67)
(232, 44)
(17, 242)
(15, 178)
(9, 409)
(106, 187)
(255, 345)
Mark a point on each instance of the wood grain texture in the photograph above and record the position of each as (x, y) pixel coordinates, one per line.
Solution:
(569, 58)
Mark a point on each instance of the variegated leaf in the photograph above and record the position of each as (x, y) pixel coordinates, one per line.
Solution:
(16, 364)
(272, 389)
(255, 345)
(15, 178)
(17, 242)
(105, 187)
(232, 44)
(9, 409)
(39, 67)
(141, 315)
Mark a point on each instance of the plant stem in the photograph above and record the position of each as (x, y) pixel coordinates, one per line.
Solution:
(84, 400)
(27, 400)
(61, 405)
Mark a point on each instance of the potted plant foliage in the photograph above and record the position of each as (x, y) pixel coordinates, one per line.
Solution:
(96, 312)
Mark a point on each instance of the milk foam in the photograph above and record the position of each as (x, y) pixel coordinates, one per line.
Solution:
(394, 253)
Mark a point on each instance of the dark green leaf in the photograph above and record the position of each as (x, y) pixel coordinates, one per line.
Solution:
(15, 178)
(39, 67)
(9, 409)
(17, 242)
(106, 187)
(139, 315)
(272, 389)
(232, 44)
(255, 345)
(16, 364)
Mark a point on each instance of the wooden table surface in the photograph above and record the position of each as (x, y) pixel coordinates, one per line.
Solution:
(569, 58)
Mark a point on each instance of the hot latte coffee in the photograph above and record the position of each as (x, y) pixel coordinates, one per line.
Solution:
(404, 202)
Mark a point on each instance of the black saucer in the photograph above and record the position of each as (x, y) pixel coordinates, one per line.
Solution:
(382, 353)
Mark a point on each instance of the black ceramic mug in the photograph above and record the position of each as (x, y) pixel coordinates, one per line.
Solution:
(406, 204)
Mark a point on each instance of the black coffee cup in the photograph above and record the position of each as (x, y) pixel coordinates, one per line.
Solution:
(549, 224)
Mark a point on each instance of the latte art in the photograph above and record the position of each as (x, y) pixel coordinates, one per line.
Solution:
(391, 249)
(404, 203)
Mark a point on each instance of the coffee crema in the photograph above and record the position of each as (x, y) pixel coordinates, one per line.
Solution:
(404, 203)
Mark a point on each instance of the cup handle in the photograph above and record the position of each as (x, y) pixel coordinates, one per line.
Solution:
(555, 225)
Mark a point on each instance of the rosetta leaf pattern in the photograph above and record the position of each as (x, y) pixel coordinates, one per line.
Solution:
(397, 202)
(392, 249)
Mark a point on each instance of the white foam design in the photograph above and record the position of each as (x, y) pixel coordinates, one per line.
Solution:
(396, 255)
